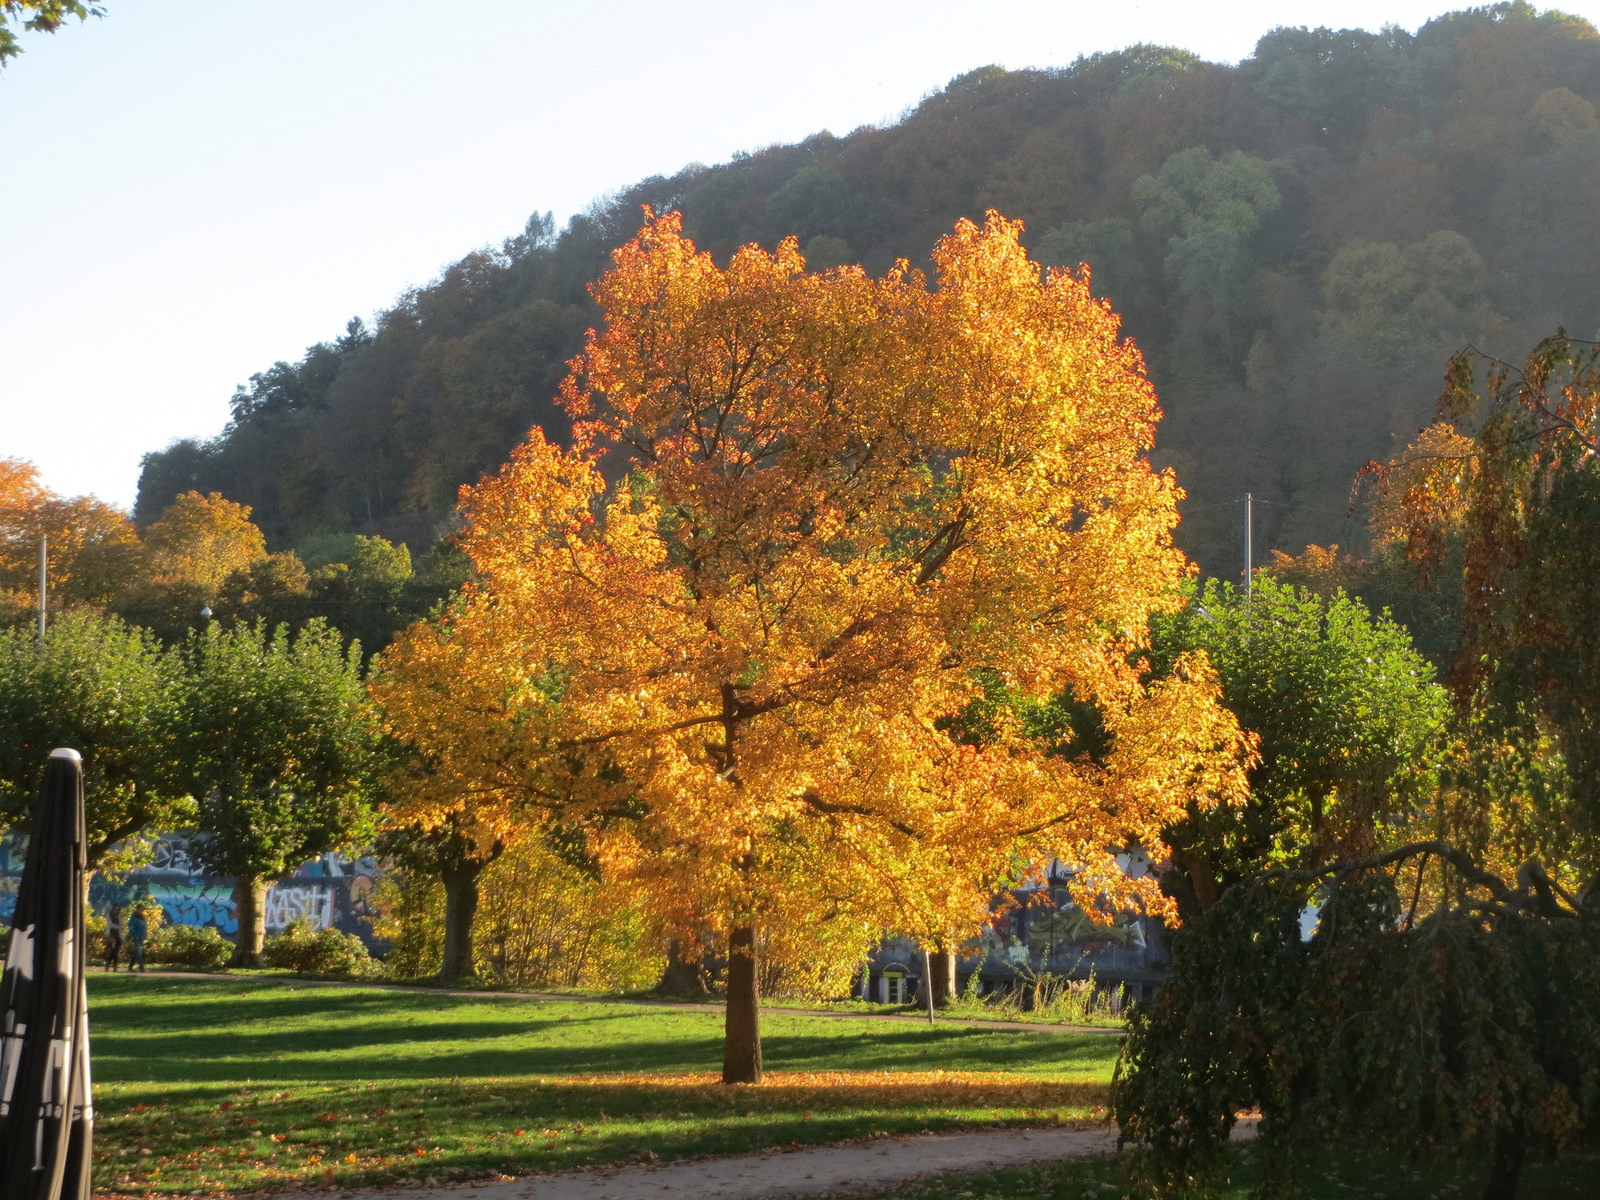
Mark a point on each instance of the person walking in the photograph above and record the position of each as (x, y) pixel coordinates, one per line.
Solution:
(113, 936)
(138, 931)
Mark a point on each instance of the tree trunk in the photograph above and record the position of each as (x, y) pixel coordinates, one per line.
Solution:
(942, 976)
(1505, 1167)
(460, 909)
(681, 977)
(250, 903)
(1202, 877)
(741, 1046)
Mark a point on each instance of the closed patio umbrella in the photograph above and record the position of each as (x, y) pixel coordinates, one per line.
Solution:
(46, 1118)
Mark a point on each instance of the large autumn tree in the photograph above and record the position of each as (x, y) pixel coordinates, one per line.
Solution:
(805, 520)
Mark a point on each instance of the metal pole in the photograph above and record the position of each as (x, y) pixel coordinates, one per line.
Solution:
(927, 976)
(1249, 540)
(44, 583)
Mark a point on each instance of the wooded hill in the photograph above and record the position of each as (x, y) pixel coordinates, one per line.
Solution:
(1297, 243)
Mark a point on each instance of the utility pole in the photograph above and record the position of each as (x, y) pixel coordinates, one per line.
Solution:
(44, 583)
(1249, 544)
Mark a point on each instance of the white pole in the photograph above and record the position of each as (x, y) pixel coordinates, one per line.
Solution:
(44, 583)
(1248, 543)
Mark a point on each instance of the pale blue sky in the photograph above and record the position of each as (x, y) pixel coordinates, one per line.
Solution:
(192, 191)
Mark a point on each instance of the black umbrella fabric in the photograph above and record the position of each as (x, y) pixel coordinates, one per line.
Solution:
(46, 1119)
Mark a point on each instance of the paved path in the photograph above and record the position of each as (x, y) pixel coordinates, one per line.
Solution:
(813, 1171)
(841, 1170)
(682, 1005)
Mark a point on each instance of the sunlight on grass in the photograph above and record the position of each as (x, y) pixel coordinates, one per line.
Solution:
(228, 1083)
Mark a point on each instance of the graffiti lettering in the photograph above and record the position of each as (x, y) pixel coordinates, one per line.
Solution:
(196, 903)
(288, 904)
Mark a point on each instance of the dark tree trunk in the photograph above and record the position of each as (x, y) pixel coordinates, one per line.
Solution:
(1505, 1167)
(1201, 875)
(460, 909)
(681, 977)
(942, 977)
(250, 902)
(741, 1046)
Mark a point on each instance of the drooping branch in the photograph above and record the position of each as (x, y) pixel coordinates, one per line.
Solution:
(1535, 892)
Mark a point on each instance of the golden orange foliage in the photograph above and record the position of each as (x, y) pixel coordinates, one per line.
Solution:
(803, 517)
(1424, 493)
(92, 548)
(200, 540)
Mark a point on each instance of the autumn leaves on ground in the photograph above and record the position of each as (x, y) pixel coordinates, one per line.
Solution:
(236, 1084)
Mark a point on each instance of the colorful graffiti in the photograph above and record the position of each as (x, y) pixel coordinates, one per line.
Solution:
(328, 892)
(194, 902)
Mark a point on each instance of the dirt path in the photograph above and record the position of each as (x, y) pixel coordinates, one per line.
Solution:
(841, 1170)
(814, 1171)
(680, 1005)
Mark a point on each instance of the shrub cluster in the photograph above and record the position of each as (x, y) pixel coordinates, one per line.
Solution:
(187, 946)
(318, 952)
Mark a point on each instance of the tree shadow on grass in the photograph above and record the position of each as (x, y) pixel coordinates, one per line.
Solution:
(209, 1032)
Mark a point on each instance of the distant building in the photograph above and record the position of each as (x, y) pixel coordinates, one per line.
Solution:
(1036, 931)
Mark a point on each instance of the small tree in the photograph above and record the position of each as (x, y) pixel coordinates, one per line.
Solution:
(280, 750)
(189, 554)
(112, 693)
(1351, 728)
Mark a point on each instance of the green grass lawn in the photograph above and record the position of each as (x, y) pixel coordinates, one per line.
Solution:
(1351, 1176)
(236, 1083)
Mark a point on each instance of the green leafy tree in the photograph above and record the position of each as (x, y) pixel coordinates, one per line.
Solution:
(280, 751)
(110, 692)
(1349, 719)
(1210, 207)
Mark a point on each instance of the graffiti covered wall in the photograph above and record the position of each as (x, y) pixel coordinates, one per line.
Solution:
(328, 892)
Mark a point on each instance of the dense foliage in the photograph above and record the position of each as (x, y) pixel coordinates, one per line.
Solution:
(317, 952)
(111, 692)
(544, 922)
(280, 751)
(846, 501)
(1446, 1009)
(1351, 729)
(1296, 242)
(1469, 1029)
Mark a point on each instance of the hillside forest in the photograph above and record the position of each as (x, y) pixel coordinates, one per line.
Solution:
(1297, 244)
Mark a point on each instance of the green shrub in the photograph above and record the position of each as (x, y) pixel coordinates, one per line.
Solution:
(317, 951)
(187, 946)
